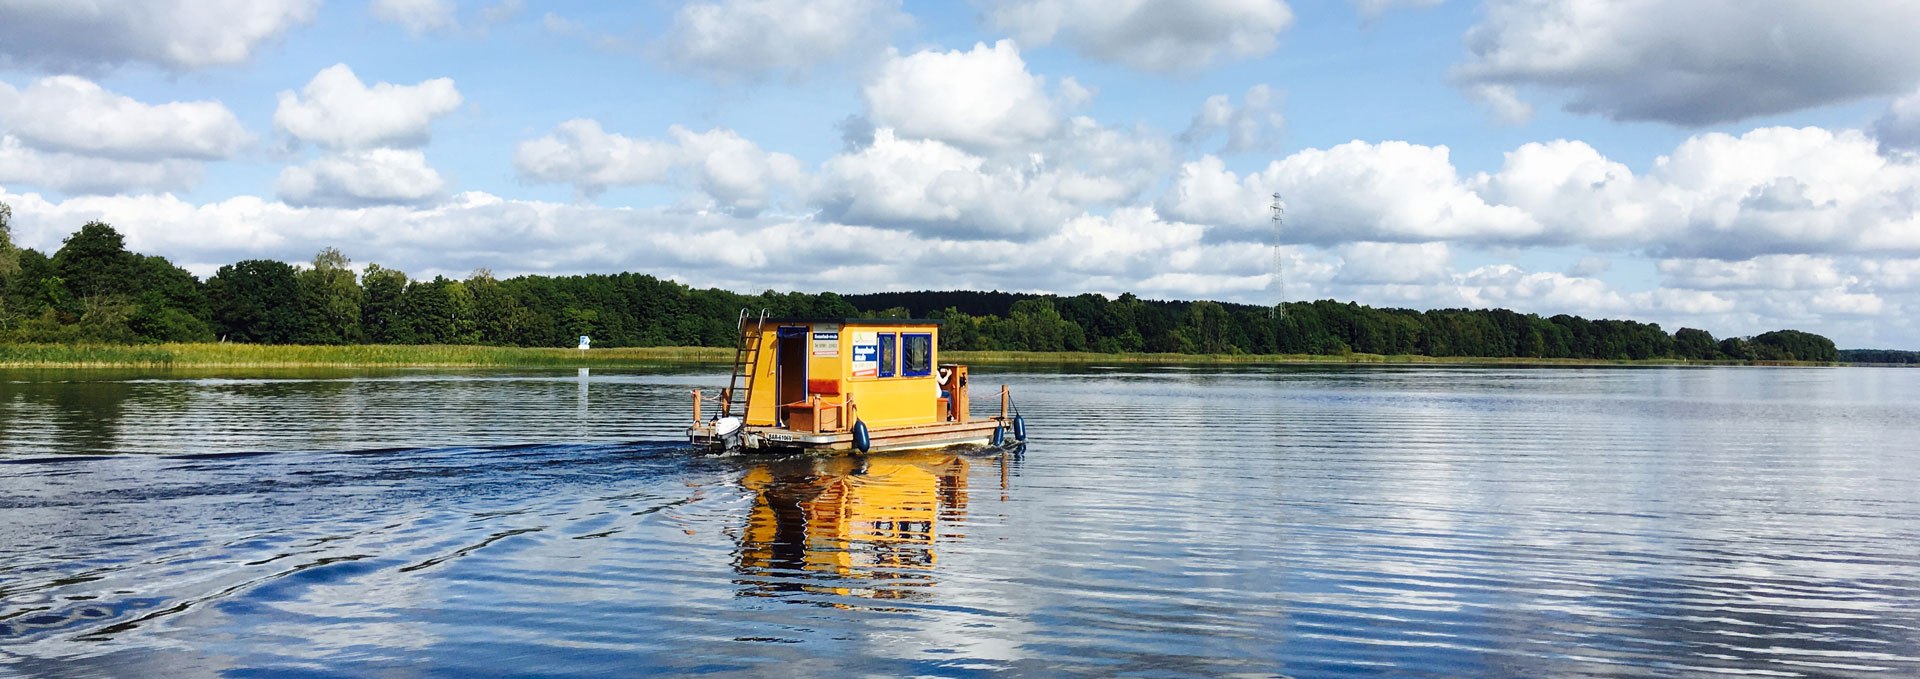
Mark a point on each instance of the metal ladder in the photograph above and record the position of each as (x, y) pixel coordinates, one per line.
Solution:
(746, 357)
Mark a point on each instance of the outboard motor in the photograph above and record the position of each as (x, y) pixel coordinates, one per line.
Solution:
(721, 434)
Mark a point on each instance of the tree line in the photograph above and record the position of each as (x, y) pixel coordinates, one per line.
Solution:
(1887, 356)
(92, 289)
(1326, 327)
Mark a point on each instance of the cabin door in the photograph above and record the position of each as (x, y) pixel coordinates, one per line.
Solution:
(791, 371)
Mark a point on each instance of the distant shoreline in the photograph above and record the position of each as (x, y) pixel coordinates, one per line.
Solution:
(1090, 358)
(229, 355)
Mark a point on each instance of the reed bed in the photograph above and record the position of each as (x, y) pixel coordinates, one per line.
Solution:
(1091, 358)
(300, 356)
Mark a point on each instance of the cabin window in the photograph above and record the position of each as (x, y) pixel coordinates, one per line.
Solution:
(919, 354)
(888, 354)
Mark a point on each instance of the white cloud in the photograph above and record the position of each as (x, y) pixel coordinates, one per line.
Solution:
(1693, 303)
(936, 188)
(1769, 191)
(174, 34)
(752, 38)
(1206, 192)
(337, 110)
(1129, 244)
(1889, 275)
(419, 17)
(1503, 102)
(929, 185)
(1073, 95)
(1771, 272)
(1393, 263)
(74, 115)
(1391, 191)
(1113, 164)
(1133, 249)
(67, 134)
(733, 172)
(968, 144)
(1578, 193)
(360, 178)
(981, 98)
(1899, 128)
(579, 152)
(1840, 303)
(77, 174)
(1692, 62)
(1787, 290)
(1093, 167)
(1254, 125)
(1154, 35)
(1510, 287)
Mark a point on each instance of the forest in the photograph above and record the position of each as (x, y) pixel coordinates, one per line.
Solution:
(1886, 356)
(92, 289)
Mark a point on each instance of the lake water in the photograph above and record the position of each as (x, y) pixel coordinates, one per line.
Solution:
(1274, 521)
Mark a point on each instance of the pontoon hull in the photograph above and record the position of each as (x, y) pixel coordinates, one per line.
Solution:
(939, 435)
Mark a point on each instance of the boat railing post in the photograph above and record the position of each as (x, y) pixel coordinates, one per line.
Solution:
(1005, 400)
(696, 406)
(726, 402)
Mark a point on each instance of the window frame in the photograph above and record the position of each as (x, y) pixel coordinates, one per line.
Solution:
(888, 354)
(904, 370)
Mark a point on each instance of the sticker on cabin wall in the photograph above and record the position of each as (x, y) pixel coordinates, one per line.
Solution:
(866, 354)
(826, 343)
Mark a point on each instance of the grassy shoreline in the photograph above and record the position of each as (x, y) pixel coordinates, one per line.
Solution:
(1090, 358)
(226, 355)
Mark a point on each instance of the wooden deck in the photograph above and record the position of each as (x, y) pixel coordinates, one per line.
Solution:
(975, 432)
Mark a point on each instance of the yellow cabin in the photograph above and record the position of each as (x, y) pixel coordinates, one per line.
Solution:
(845, 384)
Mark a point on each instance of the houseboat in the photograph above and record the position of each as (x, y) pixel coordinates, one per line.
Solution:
(845, 385)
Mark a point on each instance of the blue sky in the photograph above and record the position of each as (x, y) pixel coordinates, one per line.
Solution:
(1734, 166)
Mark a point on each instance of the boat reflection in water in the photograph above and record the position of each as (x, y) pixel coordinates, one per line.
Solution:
(863, 526)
